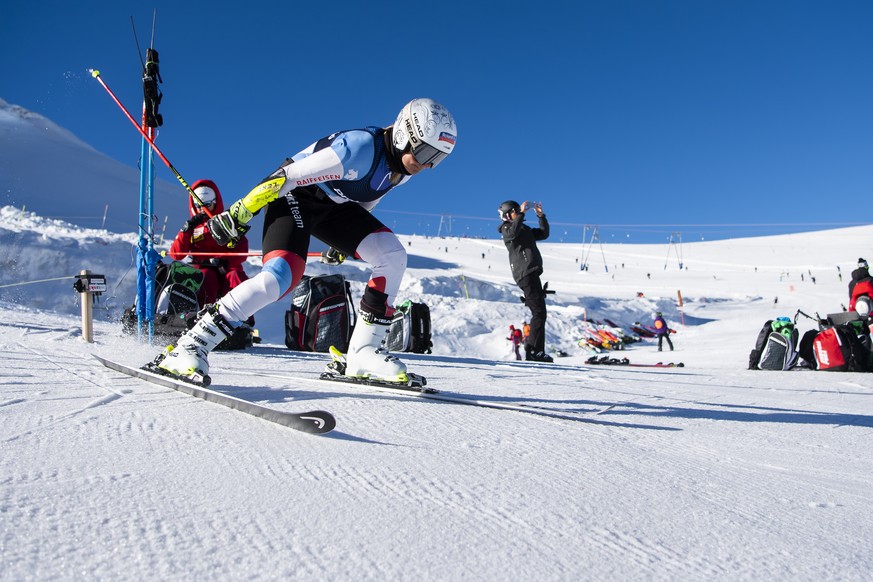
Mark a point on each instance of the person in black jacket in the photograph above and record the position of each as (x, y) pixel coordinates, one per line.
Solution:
(860, 274)
(526, 264)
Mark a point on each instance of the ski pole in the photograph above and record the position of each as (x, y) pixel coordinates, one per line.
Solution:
(96, 74)
(197, 254)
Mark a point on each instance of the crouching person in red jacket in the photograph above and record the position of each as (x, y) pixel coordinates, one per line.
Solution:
(221, 271)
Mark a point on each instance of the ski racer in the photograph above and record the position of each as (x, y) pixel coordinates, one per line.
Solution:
(526, 264)
(327, 191)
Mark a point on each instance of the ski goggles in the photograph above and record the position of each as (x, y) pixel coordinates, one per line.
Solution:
(427, 154)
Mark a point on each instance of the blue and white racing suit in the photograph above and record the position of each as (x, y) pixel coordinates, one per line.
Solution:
(326, 191)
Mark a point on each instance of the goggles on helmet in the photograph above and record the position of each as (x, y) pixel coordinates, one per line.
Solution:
(427, 154)
(205, 196)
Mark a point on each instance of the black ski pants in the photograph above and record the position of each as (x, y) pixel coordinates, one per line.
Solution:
(535, 300)
(661, 339)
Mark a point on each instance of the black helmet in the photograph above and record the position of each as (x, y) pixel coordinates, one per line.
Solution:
(504, 209)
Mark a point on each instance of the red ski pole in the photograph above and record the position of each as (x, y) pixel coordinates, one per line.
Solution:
(96, 74)
(248, 254)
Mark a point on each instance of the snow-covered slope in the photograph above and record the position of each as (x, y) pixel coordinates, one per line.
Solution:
(46, 169)
(473, 300)
(706, 472)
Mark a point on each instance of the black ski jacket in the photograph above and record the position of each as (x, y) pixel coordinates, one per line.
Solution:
(858, 275)
(520, 241)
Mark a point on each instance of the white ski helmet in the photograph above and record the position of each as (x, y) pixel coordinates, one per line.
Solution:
(206, 196)
(428, 128)
(863, 306)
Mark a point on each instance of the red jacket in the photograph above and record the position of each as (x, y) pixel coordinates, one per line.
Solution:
(864, 287)
(198, 240)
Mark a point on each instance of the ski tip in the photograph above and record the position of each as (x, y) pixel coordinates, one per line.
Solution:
(94, 73)
(319, 422)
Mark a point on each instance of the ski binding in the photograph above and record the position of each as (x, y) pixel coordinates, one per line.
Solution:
(336, 371)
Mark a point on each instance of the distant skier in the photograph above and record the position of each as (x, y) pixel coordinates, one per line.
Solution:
(327, 191)
(516, 338)
(662, 330)
(526, 264)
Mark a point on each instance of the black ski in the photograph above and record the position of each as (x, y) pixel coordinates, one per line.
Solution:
(336, 370)
(313, 422)
(433, 394)
(607, 361)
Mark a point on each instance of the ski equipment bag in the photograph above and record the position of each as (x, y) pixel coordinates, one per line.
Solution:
(410, 329)
(176, 305)
(398, 333)
(419, 329)
(844, 348)
(321, 314)
(776, 346)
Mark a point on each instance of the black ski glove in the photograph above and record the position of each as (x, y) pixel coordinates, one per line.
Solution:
(332, 257)
(195, 220)
(230, 226)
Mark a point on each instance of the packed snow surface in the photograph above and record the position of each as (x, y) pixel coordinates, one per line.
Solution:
(709, 471)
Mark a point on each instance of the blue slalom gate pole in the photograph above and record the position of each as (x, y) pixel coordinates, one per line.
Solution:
(147, 257)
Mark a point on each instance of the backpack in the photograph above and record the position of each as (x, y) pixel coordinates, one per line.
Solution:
(776, 346)
(410, 329)
(176, 305)
(844, 348)
(419, 329)
(321, 314)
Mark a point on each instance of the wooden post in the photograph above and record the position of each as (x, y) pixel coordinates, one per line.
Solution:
(87, 311)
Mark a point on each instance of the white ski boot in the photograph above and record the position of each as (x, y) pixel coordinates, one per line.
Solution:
(367, 356)
(188, 359)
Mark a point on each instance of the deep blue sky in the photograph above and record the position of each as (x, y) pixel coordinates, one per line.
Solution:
(643, 117)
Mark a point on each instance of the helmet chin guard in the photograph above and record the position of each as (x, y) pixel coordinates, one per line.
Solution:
(428, 129)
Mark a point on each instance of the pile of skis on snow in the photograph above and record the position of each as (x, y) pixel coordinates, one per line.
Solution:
(608, 361)
(599, 336)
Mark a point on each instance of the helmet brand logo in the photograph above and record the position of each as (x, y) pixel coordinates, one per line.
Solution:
(418, 129)
(411, 132)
